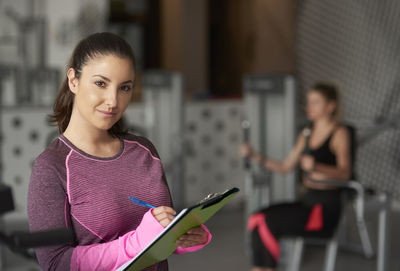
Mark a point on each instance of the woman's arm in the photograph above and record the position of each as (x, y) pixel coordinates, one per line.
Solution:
(113, 254)
(48, 208)
(282, 167)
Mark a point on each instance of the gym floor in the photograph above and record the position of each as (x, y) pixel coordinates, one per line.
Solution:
(226, 252)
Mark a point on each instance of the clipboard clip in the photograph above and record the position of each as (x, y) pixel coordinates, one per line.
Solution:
(214, 198)
(211, 199)
(209, 196)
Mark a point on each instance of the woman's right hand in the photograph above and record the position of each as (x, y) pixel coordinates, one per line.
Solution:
(245, 150)
(164, 215)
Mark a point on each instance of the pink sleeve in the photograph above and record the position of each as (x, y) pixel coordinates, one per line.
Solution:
(111, 255)
(182, 250)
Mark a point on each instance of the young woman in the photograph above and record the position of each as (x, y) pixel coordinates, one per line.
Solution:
(83, 180)
(327, 157)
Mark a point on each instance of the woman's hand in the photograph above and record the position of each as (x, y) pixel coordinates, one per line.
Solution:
(194, 237)
(245, 150)
(164, 215)
(307, 163)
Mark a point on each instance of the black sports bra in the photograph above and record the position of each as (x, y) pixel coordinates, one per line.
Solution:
(323, 153)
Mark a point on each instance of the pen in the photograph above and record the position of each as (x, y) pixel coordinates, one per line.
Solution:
(141, 203)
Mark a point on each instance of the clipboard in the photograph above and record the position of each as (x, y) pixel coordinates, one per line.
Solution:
(164, 244)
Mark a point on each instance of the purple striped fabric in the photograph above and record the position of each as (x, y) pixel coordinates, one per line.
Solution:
(91, 194)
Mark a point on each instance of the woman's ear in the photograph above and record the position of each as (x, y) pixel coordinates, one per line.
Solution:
(72, 80)
(332, 106)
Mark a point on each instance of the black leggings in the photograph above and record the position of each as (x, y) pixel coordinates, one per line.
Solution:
(315, 215)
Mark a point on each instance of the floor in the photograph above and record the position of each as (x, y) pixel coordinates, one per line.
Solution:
(226, 251)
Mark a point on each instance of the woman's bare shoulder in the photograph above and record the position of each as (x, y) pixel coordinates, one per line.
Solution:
(341, 135)
(342, 131)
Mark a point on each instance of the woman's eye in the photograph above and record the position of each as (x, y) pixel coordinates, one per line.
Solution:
(126, 88)
(100, 84)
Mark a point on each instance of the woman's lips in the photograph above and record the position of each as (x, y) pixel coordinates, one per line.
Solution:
(107, 114)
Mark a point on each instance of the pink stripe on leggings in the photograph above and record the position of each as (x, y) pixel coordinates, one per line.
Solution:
(315, 220)
(268, 239)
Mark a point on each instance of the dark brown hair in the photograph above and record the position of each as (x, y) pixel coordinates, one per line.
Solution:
(95, 45)
(330, 92)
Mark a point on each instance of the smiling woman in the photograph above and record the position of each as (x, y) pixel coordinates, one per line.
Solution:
(102, 93)
(84, 179)
(92, 49)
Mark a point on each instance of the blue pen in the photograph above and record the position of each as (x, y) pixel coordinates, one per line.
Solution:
(141, 203)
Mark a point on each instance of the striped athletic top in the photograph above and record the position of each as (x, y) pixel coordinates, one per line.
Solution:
(70, 188)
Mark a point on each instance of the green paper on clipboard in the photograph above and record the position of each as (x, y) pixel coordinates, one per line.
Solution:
(164, 244)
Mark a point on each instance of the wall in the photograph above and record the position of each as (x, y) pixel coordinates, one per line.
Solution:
(249, 37)
(184, 41)
(220, 41)
(270, 37)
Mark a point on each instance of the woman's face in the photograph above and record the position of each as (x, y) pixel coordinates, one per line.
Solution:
(318, 106)
(103, 91)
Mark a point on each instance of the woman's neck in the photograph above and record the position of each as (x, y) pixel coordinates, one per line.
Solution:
(324, 123)
(92, 141)
(88, 138)
(86, 134)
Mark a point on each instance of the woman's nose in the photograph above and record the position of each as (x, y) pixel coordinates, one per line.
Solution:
(111, 98)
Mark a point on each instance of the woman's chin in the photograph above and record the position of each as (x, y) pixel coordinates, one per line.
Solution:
(104, 127)
(310, 118)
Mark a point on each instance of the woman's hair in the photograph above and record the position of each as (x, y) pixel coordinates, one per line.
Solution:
(95, 45)
(330, 92)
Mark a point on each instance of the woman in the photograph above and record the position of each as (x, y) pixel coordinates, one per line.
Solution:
(323, 152)
(83, 180)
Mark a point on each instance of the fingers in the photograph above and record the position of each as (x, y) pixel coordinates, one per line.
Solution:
(307, 162)
(304, 163)
(164, 215)
(194, 237)
(197, 230)
(163, 209)
(245, 150)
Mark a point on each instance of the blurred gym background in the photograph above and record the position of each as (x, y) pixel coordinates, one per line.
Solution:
(202, 65)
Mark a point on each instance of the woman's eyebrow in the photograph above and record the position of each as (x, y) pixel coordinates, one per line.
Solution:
(109, 80)
(103, 77)
(129, 81)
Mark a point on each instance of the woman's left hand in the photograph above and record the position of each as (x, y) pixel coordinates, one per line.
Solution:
(194, 237)
(307, 163)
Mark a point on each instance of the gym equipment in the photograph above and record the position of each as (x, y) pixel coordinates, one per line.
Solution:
(164, 116)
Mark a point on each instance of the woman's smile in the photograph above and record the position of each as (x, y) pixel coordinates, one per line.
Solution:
(107, 114)
(103, 91)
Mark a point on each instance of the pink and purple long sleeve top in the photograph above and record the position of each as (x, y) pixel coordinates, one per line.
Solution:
(72, 189)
